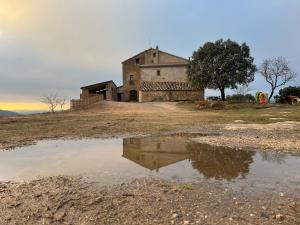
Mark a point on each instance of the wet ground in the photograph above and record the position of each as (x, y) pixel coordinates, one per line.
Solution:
(114, 161)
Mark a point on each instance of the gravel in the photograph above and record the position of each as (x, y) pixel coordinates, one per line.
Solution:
(69, 200)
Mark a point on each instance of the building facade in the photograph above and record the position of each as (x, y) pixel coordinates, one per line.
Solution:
(154, 75)
(95, 93)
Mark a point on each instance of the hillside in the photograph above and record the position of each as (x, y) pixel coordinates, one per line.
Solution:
(7, 113)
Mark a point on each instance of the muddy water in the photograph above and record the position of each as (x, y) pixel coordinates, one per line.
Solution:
(175, 158)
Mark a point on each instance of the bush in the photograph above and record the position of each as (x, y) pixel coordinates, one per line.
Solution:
(213, 98)
(218, 105)
(211, 104)
(203, 105)
(250, 98)
(239, 98)
(284, 93)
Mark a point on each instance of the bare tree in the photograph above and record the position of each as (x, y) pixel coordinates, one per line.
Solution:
(276, 72)
(51, 101)
(61, 102)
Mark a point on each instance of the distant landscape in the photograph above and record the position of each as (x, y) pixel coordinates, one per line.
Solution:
(7, 113)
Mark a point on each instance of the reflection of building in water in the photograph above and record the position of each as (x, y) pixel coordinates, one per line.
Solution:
(220, 162)
(212, 162)
(154, 153)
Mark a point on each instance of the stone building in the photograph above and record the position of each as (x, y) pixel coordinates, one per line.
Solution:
(154, 75)
(155, 154)
(94, 93)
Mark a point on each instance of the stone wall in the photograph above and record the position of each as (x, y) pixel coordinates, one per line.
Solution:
(171, 73)
(130, 67)
(111, 92)
(168, 58)
(151, 57)
(84, 102)
(150, 96)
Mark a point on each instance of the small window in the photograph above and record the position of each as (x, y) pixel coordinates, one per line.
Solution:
(152, 61)
(137, 60)
(131, 77)
(158, 72)
(154, 54)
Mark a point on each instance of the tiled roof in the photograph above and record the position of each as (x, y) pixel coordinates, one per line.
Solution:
(166, 86)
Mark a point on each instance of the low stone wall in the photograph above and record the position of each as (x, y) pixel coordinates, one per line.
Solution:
(149, 96)
(84, 102)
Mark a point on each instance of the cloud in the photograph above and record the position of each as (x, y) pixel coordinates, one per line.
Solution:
(60, 45)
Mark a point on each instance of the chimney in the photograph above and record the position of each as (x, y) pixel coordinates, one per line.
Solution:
(157, 54)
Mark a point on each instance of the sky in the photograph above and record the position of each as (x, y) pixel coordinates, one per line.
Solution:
(57, 46)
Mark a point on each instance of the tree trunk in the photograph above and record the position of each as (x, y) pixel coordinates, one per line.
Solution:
(222, 89)
(271, 95)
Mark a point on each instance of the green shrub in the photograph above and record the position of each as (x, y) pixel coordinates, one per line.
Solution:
(239, 98)
(284, 93)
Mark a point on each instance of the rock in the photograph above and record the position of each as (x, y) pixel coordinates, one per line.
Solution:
(239, 121)
(59, 216)
(265, 215)
(174, 215)
(279, 217)
(186, 222)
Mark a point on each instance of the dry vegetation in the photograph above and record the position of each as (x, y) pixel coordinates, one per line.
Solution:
(111, 119)
(61, 200)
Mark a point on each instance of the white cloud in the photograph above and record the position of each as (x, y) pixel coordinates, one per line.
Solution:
(62, 44)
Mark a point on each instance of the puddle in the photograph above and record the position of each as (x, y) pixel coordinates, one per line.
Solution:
(175, 158)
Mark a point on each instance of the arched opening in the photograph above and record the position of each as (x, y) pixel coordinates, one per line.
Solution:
(133, 97)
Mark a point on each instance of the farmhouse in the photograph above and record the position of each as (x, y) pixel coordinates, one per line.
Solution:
(152, 75)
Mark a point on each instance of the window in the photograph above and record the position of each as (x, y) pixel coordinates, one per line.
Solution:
(152, 61)
(137, 60)
(154, 54)
(131, 79)
(158, 72)
(158, 146)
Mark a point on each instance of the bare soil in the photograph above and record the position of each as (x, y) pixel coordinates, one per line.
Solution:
(62, 200)
(238, 125)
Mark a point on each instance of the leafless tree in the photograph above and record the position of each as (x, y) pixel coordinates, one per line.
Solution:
(242, 89)
(276, 72)
(61, 102)
(51, 100)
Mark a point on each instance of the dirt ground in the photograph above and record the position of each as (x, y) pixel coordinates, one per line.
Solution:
(66, 200)
(239, 125)
(62, 200)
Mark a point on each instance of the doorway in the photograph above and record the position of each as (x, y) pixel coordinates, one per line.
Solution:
(133, 97)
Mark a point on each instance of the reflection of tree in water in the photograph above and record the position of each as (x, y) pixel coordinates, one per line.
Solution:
(219, 162)
(277, 157)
